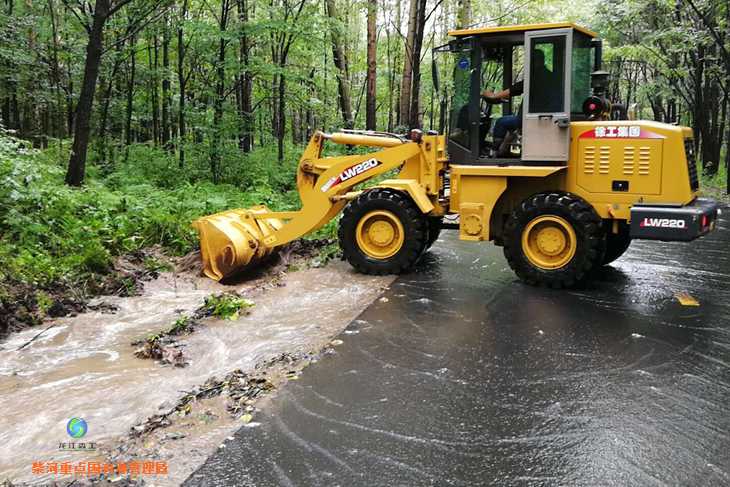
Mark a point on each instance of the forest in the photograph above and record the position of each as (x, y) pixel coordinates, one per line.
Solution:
(123, 120)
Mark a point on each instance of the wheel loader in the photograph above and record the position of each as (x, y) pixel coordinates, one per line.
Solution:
(577, 181)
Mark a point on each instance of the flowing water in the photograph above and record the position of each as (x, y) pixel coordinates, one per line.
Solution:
(84, 366)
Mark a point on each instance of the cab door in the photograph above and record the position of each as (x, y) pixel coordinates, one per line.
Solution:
(546, 111)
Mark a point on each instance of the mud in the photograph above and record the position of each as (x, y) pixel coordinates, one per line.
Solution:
(23, 305)
(84, 366)
(204, 420)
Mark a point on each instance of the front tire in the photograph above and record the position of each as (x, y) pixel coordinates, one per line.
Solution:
(382, 231)
(554, 239)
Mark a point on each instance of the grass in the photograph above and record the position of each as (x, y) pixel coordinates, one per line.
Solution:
(226, 306)
(716, 186)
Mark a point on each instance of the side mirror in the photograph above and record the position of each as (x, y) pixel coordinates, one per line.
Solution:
(435, 76)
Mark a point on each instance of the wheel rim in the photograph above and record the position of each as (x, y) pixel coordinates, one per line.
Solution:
(380, 234)
(549, 242)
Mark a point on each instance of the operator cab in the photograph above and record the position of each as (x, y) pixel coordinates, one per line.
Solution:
(551, 64)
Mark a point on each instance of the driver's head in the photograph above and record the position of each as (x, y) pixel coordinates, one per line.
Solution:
(538, 60)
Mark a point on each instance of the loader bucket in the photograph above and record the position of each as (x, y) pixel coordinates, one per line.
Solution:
(233, 240)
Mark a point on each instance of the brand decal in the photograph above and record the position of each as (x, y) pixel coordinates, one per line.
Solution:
(349, 173)
(619, 132)
(663, 223)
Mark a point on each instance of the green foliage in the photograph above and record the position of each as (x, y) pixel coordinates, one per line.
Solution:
(182, 325)
(156, 265)
(52, 232)
(715, 186)
(226, 306)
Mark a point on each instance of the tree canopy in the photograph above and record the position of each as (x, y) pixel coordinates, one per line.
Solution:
(209, 82)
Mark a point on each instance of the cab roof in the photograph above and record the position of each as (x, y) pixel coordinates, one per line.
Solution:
(503, 29)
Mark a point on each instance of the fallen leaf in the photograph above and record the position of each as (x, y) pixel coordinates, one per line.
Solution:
(686, 300)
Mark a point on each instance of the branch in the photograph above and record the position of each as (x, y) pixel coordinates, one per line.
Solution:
(509, 12)
(718, 39)
(285, 52)
(131, 32)
(84, 23)
(438, 4)
(115, 8)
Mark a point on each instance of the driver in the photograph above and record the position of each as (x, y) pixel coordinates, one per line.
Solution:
(509, 123)
(506, 123)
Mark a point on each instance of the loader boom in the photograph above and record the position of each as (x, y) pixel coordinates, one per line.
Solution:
(325, 185)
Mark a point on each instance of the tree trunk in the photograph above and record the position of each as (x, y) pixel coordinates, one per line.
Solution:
(58, 129)
(166, 83)
(130, 94)
(309, 112)
(77, 162)
(11, 112)
(463, 14)
(105, 102)
(215, 146)
(181, 83)
(391, 80)
(370, 96)
(338, 56)
(281, 116)
(727, 157)
(245, 83)
(414, 118)
(70, 110)
(404, 104)
(152, 49)
(295, 125)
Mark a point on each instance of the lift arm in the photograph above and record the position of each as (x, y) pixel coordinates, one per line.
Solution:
(235, 239)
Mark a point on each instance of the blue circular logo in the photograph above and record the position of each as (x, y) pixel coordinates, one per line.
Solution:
(76, 427)
(463, 63)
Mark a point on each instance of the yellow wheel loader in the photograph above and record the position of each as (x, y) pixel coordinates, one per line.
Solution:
(564, 191)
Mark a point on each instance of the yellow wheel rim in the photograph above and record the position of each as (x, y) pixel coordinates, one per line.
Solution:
(549, 242)
(380, 234)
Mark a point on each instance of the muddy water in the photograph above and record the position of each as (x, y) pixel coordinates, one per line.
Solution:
(84, 366)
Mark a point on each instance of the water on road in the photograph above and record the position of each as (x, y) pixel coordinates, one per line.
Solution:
(461, 375)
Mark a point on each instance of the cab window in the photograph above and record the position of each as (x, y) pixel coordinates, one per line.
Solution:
(582, 60)
(547, 75)
(459, 123)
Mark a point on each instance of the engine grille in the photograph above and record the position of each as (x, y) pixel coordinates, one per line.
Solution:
(689, 152)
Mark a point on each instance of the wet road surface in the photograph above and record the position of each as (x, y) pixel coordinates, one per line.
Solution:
(463, 376)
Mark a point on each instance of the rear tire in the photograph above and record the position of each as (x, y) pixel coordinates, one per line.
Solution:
(554, 239)
(616, 243)
(382, 231)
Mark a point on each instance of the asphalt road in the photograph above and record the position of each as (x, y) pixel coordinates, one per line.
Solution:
(461, 375)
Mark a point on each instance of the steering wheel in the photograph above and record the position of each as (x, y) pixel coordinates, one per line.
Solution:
(485, 111)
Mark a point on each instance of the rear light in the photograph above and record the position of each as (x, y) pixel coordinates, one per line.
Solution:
(704, 221)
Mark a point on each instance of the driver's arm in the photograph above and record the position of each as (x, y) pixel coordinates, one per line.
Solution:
(500, 96)
(497, 97)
